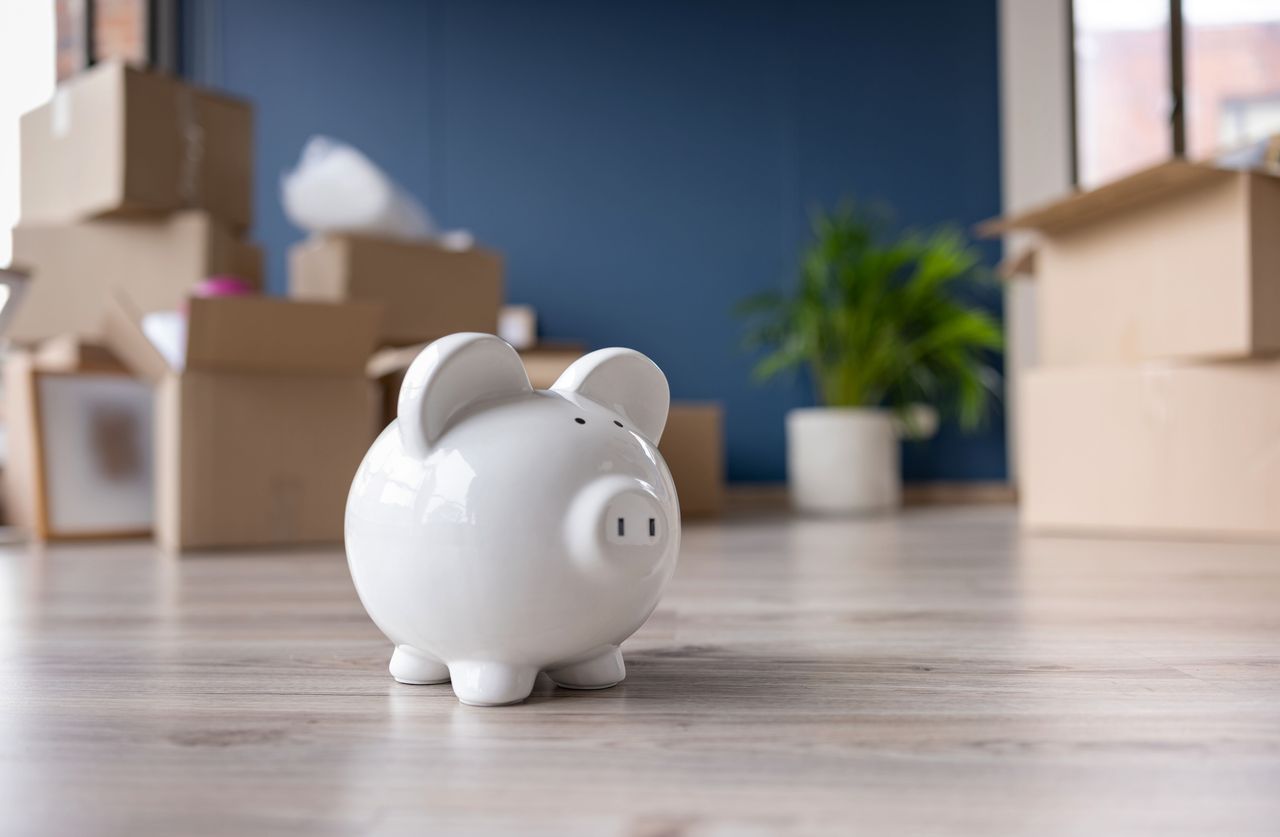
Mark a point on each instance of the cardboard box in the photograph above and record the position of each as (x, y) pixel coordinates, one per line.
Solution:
(259, 436)
(68, 354)
(75, 267)
(428, 291)
(693, 446)
(78, 443)
(544, 364)
(1155, 449)
(118, 140)
(1181, 260)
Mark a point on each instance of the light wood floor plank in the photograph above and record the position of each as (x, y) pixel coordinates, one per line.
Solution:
(932, 673)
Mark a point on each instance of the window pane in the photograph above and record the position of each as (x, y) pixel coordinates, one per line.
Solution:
(71, 45)
(1233, 73)
(120, 31)
(1122, 87)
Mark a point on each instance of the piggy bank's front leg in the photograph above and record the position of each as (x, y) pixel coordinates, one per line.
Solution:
(491, 684)
(412, 667)
(599, 672)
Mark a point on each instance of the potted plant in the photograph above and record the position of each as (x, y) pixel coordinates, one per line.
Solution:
(888, 344)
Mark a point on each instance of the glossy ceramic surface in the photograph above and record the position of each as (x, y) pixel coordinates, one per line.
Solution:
(494, 531)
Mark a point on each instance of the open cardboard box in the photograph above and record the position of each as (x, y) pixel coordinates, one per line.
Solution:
(119, 140)
(258, 437)
(428, 291)
(1178, 261)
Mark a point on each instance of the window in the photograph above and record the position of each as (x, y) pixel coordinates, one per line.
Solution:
(1122, 87)
(122, 31)
(26, 80)
(1232, 73)
(1157, 78)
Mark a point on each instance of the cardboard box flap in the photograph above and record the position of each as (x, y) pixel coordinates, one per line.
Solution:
(1082, 207)
(261, 334)
(1019, 265)
(13, 285)
(122, 334)
(69, 353)
(547, 361)
(392, 360)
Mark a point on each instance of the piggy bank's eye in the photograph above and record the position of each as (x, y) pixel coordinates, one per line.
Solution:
(615, 421)
(580, 420)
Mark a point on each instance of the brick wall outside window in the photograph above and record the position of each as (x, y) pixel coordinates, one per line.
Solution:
(120, 31)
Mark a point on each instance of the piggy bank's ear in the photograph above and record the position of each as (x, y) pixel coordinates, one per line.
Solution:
(450, 376)
(626, 382)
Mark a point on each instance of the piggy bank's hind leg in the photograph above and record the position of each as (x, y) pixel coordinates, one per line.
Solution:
(599, 672)
(491, 684)
(408, 665)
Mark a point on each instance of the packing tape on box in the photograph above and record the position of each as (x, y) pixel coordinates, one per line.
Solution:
(191, 133)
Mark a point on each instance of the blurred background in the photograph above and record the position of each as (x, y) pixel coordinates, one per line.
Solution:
(574, 176)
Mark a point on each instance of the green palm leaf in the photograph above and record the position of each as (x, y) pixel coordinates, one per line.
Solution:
(876, 321)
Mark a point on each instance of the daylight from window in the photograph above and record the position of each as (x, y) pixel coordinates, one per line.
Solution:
(1123, 67)
(26, 80)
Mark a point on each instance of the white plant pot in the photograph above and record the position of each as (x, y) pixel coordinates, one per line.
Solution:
(843, 460)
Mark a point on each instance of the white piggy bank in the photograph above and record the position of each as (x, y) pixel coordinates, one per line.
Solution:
(494, 531)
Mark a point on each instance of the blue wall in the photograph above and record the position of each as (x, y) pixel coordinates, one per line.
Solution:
(641, 165)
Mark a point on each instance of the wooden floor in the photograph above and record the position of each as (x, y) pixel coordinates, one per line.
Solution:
(926, 674)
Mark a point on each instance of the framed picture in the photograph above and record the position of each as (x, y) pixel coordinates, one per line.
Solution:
(86, 442)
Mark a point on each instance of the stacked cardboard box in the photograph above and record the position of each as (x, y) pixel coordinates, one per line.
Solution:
(693, 446)
(260, 431)
(75, 267)
(130, 181)
(136, 187)
(428, 291)
(121, 141)
(1157, 405)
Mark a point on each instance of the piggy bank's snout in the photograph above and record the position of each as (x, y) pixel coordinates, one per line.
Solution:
(634, 518)
(618, 525)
